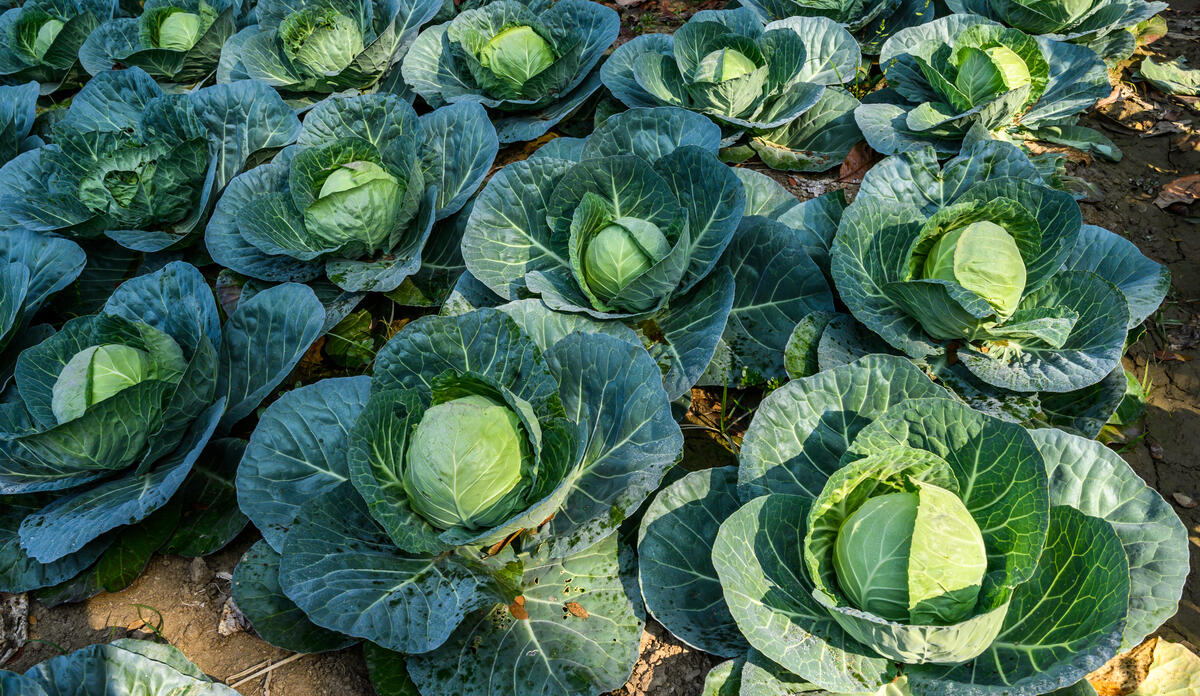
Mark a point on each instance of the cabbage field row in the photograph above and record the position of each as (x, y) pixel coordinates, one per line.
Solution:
(419, 297)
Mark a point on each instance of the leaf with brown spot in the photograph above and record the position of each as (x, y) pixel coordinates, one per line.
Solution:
(577, 610)
(517, 609)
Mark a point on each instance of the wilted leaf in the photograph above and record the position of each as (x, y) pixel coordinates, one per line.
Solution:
(1179, 193)
(856, 164)
(1175, 671)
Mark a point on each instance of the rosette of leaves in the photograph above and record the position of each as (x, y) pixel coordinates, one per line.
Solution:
(877, 527)
(530, 62)
(1106, 26)
(356, 197)
(781, 82)
(978, 264)
(871, 21)
(140, 166)
(962, 72)
(626, 225)
(173, 40)
(40, 40)
(32, 268)
(122, 666)
(18, 109)
(108, 422)
(324, 46)
(462, 499)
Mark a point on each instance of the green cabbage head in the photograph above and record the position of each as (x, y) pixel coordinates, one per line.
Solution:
(465, 467)
(517, 54)
(100, 372)
(357, 203)
(620, 252)
(983, 258)
(178, 29)
(321, 40)
(914, 557)
(46, 34)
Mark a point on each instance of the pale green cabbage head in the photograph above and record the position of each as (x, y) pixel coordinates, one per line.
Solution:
(46, 34)
(912, 557)
(180, 31)
(983, 258)
(620, 252)
(517, 54)
(466, 464)
(322, 41)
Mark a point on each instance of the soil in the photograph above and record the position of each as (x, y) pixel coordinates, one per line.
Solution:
(181, 601)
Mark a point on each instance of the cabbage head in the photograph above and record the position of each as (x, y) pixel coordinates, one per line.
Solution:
(529, 61)
(318, 47)
(1105, 26)
(138, 165)
(782, 82)
(115, 416)
(880, 536)
(356, 197)
(628, 225)
(172, 40)
(488, 458)
(986, 268)
(41, 40)
(964, 74)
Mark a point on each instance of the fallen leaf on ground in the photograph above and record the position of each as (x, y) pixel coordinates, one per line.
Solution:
(856, 164)
(1179, 193)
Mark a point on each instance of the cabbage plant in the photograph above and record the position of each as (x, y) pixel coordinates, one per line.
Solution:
(627, 225)
(172, 40)
(32, 268)
(1104, 25)
(529, 61)
(356, 198)
(462, 499)
(323, 46)
(877, 527)
(18, 109)
(110, 416)
(140, 166)
(40, 40)
(780, 83)
(979, 264)
(122, 666)
(964, 72)
(871, 21)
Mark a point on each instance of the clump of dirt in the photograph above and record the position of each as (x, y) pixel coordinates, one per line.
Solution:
(667, 667)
